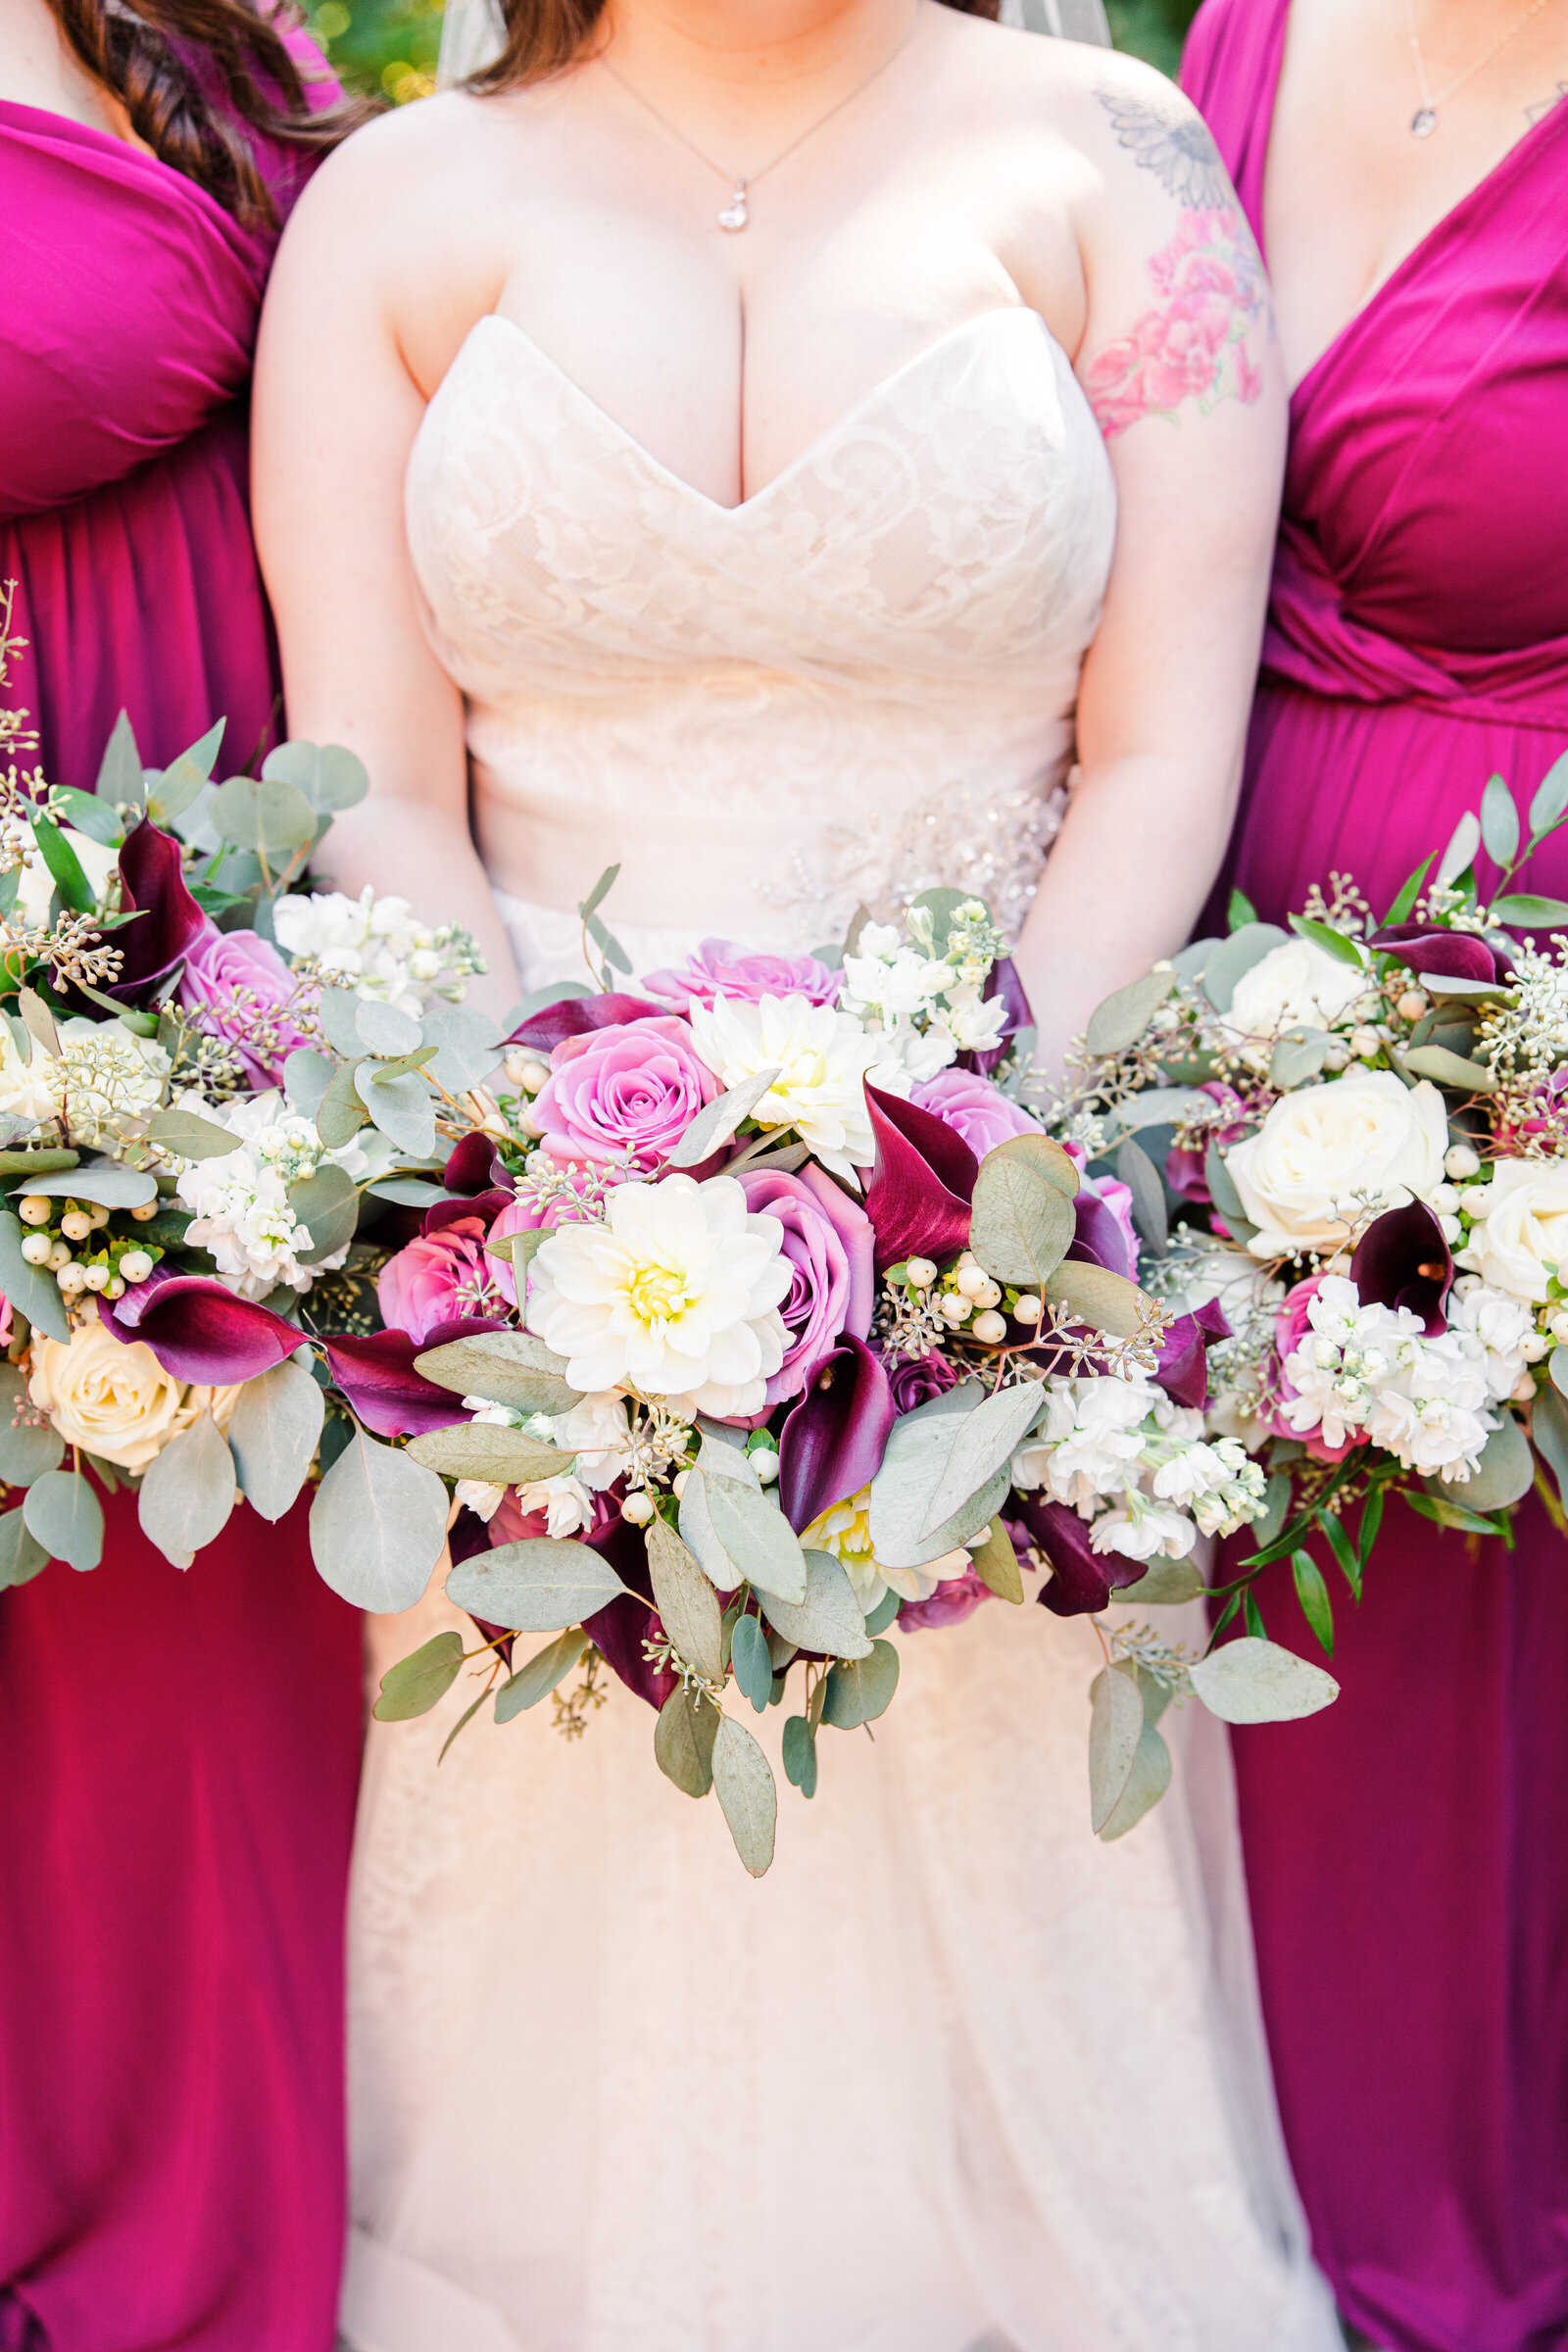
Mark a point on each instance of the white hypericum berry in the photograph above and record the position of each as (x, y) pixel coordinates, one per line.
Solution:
(147, 1211)
(1029, 1308)
(36, 1209)
(638, 1509)
(990, 1327)
(71, 1279)
(37, 1248)
(1459, 1162)
(764, 1461)
(58, 1255)
(95, 1277)
(971, 1278)
(1411, 1005)
(75, 1225)
(679, 1483)
(954, 1307)
(135, 1265)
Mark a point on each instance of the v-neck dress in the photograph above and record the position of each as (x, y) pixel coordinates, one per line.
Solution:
(1407, 1850)
(179, 1752)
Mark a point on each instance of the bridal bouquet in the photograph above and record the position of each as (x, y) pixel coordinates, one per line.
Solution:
(1354, 1136)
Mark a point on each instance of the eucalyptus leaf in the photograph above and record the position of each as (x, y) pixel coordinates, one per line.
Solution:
(488, 1449)
(1463, 843)
(273, 1432)
(87, 814)
(1257, 1681)
(1138, 1172)
(901, 1488)
(33, 1293)
(964, 1451)
(34, 1161)
(1021, 1219)
(1527, 911)
(687, 1604)
(1229, 959)
(1160, 1107)
(1165, 1586)
(1551, 799)
(716, 1124)
(537, 1586)
(420, 1681)
(1548, 1425)
(462, 1724)
(510, 1367)
(1115, 1727)
(996, 1566)
(377, 1526)
(103, 1182)
(1505, 1475)
(544, 1672)
(753, 1666)
(272, 817)
(74, 890)
(21, 1555)
(829, 1619)
(187, 1491)
(188, 1134)
(469, 1046)
(329, 777)
(1097, 1298)
(1222, 1187)
(1334, 942)
(1499, 822)
(744, 1788)
(386, 1029)
(1120, 1020)
(1557, 1368)
(860, 1689)
(722, 1454)
(799, 1756)
(683, 1740)
(598, 892)
(28, 1448)
(402, 1108)
(62, 1512)
(739, 1536)
(307, 1075)
(416, 1191)
(1298, 1057)
(175, 789)
(38, 1021)
(1447, 986)
(340, 1018)
(1145, 1785)
(887, 1609)
(340, 1113)
(327, 1205)
(1452, 1070)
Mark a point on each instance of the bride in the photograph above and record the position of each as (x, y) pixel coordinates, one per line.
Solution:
(765, 443)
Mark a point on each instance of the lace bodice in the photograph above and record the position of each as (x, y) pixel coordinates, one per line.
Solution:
(859, 682)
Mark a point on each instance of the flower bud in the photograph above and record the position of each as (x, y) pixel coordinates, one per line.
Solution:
(1557, 1324)
(1459, 1162)
(526, 1070)
(36, 1209)
(990, 1327)
(37, 1248)
(147, 1211)
(135, 1265)
(75, 1225)
(968, 1259)
(638, 1509)
(1029, 1308)
(1442, 1199)
(1453, 1230)
(919, 1273)
(1524, 1389)
(1365, 1044)
(1533, 1346)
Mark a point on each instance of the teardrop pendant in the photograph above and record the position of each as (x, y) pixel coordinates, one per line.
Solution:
(735, 216)
(1424, 121)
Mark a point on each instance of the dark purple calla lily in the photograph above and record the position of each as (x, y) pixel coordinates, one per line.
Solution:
(475, 1167)
(621, 1629)
(1402, 1260)
(200, 1331)
(376, 1373)
(1182, 1369)
(1082, 1581)
(1001, 981)
(1453, 955)
(1099, 1237)
(168, 922)
(834, 1439)
(575, 1015)
(918, 1198)
(486, 1205)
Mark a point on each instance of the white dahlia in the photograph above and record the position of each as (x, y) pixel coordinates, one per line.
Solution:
(822, 1056)
(676, 1294)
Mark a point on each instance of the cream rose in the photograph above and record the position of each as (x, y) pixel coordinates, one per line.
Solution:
(1324, 1154)
(1298, 985)
(115, 1401)
(1524, 1234)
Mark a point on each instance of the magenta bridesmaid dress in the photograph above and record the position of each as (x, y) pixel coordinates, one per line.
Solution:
(1407, 1850)
(178, 1753)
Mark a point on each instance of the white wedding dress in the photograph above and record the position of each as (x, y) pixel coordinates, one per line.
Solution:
(955, 2077)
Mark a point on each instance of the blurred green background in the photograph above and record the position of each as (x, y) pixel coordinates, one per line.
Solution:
(389, 46)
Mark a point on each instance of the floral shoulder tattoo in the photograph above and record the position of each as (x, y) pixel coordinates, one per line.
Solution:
(1192, 344)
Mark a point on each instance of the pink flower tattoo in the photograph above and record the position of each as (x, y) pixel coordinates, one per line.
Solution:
(1192, 343)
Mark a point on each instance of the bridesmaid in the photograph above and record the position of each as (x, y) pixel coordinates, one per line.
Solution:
(1406, 168)
(178, 1753)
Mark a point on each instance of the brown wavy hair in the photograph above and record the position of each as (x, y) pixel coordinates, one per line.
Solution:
(140, 51)
(545, 37)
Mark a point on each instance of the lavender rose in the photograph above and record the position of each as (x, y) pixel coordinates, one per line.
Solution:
(633, 1088)
(974, 1109)
(830, 1247)
(720, 968)
(241, 982)
(437, 1279)
(916, 1380)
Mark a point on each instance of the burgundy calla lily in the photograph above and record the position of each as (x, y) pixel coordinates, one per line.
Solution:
(200, 1331)
(1001, 981)
(1182, 1369)
(621, 1629)
(1100, 1237)
(1402, 1260)
(485, 1206)
(376, 1373)
(168, 922)
(575, 1015)
(918, 1198)
(1082, 1581)
(473, 1166)
(1453, 955)
(834, 1439)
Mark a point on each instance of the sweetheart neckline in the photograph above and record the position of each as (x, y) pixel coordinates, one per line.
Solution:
(814, 448)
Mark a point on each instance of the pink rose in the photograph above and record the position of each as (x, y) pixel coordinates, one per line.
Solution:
(720, 968)
(830, 1245)
(439, 1278)
(241, 982)
(629, 1089)
(974, 1109)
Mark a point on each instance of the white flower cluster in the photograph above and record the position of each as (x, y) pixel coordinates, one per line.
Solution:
(376, 947)
(1371, 1373)
(243, 1213)
(922, 1009)
(1138, 1468)
(103, 1078)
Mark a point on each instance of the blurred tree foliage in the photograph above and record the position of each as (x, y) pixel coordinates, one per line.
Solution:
(388, 47)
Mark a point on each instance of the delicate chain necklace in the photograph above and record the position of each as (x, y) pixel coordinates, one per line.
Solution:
(1424, 121)
(735, 214)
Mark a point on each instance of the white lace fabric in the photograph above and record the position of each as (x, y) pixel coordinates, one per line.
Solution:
(955, 2077)
(857, 684)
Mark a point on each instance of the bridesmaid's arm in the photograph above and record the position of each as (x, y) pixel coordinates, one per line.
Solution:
(1179, 360)
(336, 410)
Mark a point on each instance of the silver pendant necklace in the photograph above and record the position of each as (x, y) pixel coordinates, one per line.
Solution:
(737, 213)
(1424, 121)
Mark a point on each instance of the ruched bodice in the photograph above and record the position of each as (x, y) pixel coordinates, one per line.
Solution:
(859, 682)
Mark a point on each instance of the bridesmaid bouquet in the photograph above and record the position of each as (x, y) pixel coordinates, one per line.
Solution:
(1353, 1136)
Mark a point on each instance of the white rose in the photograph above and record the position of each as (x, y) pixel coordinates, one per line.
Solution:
(28, 1090)
(1524, 1234)
(822, 1056)
(1321, 1155)
(35, 885)
(116, 1400)
(1297, 986)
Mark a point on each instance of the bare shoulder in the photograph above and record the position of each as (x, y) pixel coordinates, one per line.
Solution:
(406, 162)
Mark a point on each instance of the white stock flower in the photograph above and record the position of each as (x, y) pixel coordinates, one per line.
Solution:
(974, 1024)
(243, 1213)
(1142, 1531)
(1365, 1140)
(907, 1056)
(676, 1294)
(565, 1501)
(327, 925)
(482, 1496)
(822, 1056)
(1523, 1235)
(1297, 986)
(1502, 1325)
(596, 1432)
(1370, 1373)
(1089, 1442)
(28, 1090)
(894, 985)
